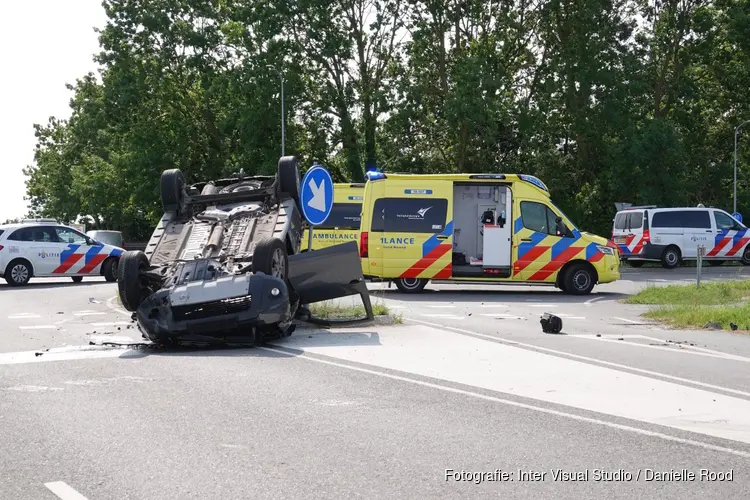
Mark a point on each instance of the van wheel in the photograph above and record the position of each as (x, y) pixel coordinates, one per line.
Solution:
(671, 257)
(579, 280)
(411, 285)
(636, 263)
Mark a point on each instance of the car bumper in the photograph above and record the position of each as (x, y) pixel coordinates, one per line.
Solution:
(217, 311)
(609, 269)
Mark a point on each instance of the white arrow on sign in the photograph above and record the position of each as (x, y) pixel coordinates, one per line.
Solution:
(318, 200)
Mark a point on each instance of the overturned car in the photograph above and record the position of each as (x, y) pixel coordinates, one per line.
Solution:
(224, 263)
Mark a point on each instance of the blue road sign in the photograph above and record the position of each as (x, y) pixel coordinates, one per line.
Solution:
(737, 216)
(316, 197)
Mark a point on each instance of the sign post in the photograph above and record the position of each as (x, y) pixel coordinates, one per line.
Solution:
(316, 198)
(738, 217)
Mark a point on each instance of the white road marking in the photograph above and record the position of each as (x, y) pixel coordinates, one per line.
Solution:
(70, 353)
(583, 358)
(443, 316)
(440, 354)
(501, 315)
(63, 491)
(441, 306)
(24, 316)
(591, 301)
(493, 305)
(671, 347)
(38, 327)
(120, 339)
(542, 305)
(626, 320)
(111, 304)
(517, 404)
(112, 323)
(32, 388)
(88, 313)
(569, 316)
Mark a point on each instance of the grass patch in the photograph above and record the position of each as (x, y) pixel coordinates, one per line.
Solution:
(685, 316)
(337, 310)
(712, 293)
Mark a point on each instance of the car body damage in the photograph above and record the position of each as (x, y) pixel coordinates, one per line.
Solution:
(224, 262)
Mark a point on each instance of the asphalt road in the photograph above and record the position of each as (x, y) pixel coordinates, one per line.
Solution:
(468, 382)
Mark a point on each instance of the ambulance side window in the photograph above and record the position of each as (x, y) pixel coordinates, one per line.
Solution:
(538, 217)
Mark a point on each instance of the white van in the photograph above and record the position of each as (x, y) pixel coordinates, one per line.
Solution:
(671, 235)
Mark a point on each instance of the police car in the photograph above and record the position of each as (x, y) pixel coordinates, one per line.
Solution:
(45, 248)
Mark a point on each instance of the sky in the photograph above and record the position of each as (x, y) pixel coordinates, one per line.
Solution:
(44, 44)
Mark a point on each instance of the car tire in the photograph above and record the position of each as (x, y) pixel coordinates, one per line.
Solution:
(242, 186)
(270, 258)
(289, 177)
(579, 279)
(76, 279)
(173, 190)
(746, 256)
(129, 282)
(636, 263)
(18, 273)
(109, 269)
(671, 257)
(410, 285)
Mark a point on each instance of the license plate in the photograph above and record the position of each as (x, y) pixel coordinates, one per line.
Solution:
(620, 239)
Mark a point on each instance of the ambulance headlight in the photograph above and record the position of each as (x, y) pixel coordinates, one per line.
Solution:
(606, 250)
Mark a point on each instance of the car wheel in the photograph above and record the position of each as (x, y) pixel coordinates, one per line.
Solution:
(242, 186)
(18, 273)
(579, 280)
(172, 190)
(76, 279)
(129, 280)
(289, 177)
(636, 263)
(109, 269)
(746, 256)
(270, 258)
(411, 285)
(671, 257)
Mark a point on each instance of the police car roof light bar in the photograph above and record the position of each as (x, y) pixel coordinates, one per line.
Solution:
(640, 207)
(31, 221)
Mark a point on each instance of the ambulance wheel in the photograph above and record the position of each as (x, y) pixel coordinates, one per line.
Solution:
(130, 284)
(636, 263)
(746, 256)
(77, 279)
(671, 257)
(579, 279)
(410, 285)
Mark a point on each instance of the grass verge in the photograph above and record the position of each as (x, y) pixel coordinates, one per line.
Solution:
(712, 293)
(686, 306)
(338, 311)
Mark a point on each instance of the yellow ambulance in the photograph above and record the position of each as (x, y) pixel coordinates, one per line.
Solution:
(487, 228)
(342, 224)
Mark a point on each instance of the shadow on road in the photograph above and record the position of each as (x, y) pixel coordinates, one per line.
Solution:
(62, 283)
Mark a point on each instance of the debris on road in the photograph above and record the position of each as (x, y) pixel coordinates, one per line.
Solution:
(713, 326)
(551, 323)
(94, 301)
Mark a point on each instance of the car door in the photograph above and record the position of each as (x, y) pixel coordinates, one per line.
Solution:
(41, 248)
(540, 252)
(697, 231)
(730, 237)
(74, 252)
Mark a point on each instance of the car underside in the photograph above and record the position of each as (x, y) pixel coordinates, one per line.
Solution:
(224, 264)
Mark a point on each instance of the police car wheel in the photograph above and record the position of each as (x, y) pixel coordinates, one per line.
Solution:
(109, 269)
(579, 280)
(410, 285)
(746, 256)
(671, 258)
(18, 273)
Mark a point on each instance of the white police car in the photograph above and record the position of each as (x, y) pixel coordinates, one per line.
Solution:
(45, 248)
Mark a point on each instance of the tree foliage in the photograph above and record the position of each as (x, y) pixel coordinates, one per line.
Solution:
(606, 100)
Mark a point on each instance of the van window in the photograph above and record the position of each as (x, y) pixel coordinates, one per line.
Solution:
(723, 221)
(635, 220)
(621, 222)
(344, 216)
(694, 219)
(409, 215)
(538, 217)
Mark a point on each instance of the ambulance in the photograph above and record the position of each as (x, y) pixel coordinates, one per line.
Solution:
(485, 228)
(342, 225)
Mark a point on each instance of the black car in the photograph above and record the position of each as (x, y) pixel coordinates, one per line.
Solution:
(224, 262)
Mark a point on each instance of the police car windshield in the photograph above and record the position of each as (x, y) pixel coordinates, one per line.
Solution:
(565, 217)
